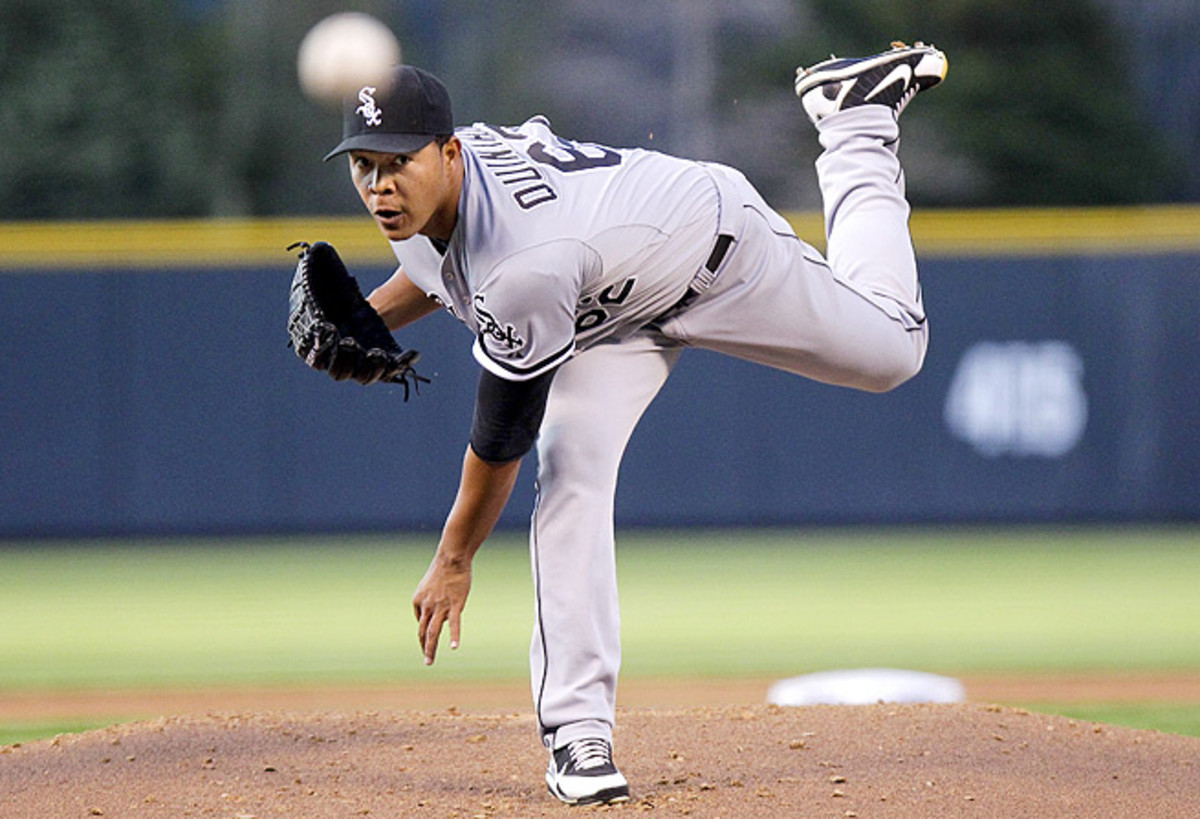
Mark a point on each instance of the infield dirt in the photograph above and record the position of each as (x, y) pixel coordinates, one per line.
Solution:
(728, 760)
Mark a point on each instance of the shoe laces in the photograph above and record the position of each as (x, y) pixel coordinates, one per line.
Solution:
(589, 753)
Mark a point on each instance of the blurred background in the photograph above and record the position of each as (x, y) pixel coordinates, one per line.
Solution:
(159, 155)
(152, 108)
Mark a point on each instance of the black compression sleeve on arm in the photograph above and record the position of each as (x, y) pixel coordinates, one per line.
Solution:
(508, 415)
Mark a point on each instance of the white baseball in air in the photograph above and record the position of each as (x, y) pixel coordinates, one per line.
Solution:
(344, 52)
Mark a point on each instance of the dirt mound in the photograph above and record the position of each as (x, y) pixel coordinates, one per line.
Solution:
(869, 761)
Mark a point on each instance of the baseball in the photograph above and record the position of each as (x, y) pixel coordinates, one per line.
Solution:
(342, 53)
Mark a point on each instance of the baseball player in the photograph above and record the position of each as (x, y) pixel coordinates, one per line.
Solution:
(583, 271)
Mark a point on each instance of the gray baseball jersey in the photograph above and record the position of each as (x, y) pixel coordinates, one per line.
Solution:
(561, 244)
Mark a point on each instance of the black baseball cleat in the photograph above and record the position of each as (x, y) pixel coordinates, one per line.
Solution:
(892, 78)
(582, 773)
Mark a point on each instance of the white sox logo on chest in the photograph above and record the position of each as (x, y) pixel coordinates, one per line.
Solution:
(489, 325)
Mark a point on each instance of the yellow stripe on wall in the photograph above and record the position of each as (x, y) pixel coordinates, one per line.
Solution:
(1058, 231)
(120, 245)
(1043, 231)
(174, 244)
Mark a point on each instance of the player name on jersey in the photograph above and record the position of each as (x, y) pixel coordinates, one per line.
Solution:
(530, 187)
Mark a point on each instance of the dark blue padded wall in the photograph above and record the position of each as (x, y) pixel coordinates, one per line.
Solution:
(1056, 389)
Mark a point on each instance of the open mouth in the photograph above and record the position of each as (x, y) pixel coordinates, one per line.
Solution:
(389, 219)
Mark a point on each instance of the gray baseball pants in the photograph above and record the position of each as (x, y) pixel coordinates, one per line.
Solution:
(854, 319)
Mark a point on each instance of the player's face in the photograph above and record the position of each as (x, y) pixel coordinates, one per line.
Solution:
(411, 193)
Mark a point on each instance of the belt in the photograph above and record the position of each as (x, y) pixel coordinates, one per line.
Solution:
(705, 277)
(720, 248)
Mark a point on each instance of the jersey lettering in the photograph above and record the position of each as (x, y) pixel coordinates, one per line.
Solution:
(532, 197)
(530, 187)
(528, 184)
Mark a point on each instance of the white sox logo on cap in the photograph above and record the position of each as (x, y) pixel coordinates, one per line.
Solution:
(398, 114)
(371, 113)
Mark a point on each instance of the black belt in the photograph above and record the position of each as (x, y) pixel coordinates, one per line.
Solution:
(719, 251)
(720, 248)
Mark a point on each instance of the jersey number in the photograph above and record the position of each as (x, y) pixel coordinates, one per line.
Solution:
(612, 295)
(568, 157)
(577, 157)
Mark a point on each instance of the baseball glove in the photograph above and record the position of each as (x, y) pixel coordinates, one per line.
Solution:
(334, 329)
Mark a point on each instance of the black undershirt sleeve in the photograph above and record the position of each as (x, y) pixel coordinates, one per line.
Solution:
(508, 415)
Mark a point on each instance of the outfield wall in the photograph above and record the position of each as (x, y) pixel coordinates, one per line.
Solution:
(147, 388)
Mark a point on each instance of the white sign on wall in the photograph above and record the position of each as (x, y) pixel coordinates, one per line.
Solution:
(1018, 398)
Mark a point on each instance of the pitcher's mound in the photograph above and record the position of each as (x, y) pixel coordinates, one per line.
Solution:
(966, 760)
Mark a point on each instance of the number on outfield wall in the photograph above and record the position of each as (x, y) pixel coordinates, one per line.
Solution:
(1018, 398)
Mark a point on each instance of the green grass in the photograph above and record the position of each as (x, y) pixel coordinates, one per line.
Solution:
(15, 733)
(237, 612)
(1169, 718)
(956, 601)
(723, 603)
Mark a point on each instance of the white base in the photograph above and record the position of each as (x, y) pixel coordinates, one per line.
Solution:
(865, 686)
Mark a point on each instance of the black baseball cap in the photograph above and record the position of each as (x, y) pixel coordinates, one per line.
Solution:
(400, 114)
